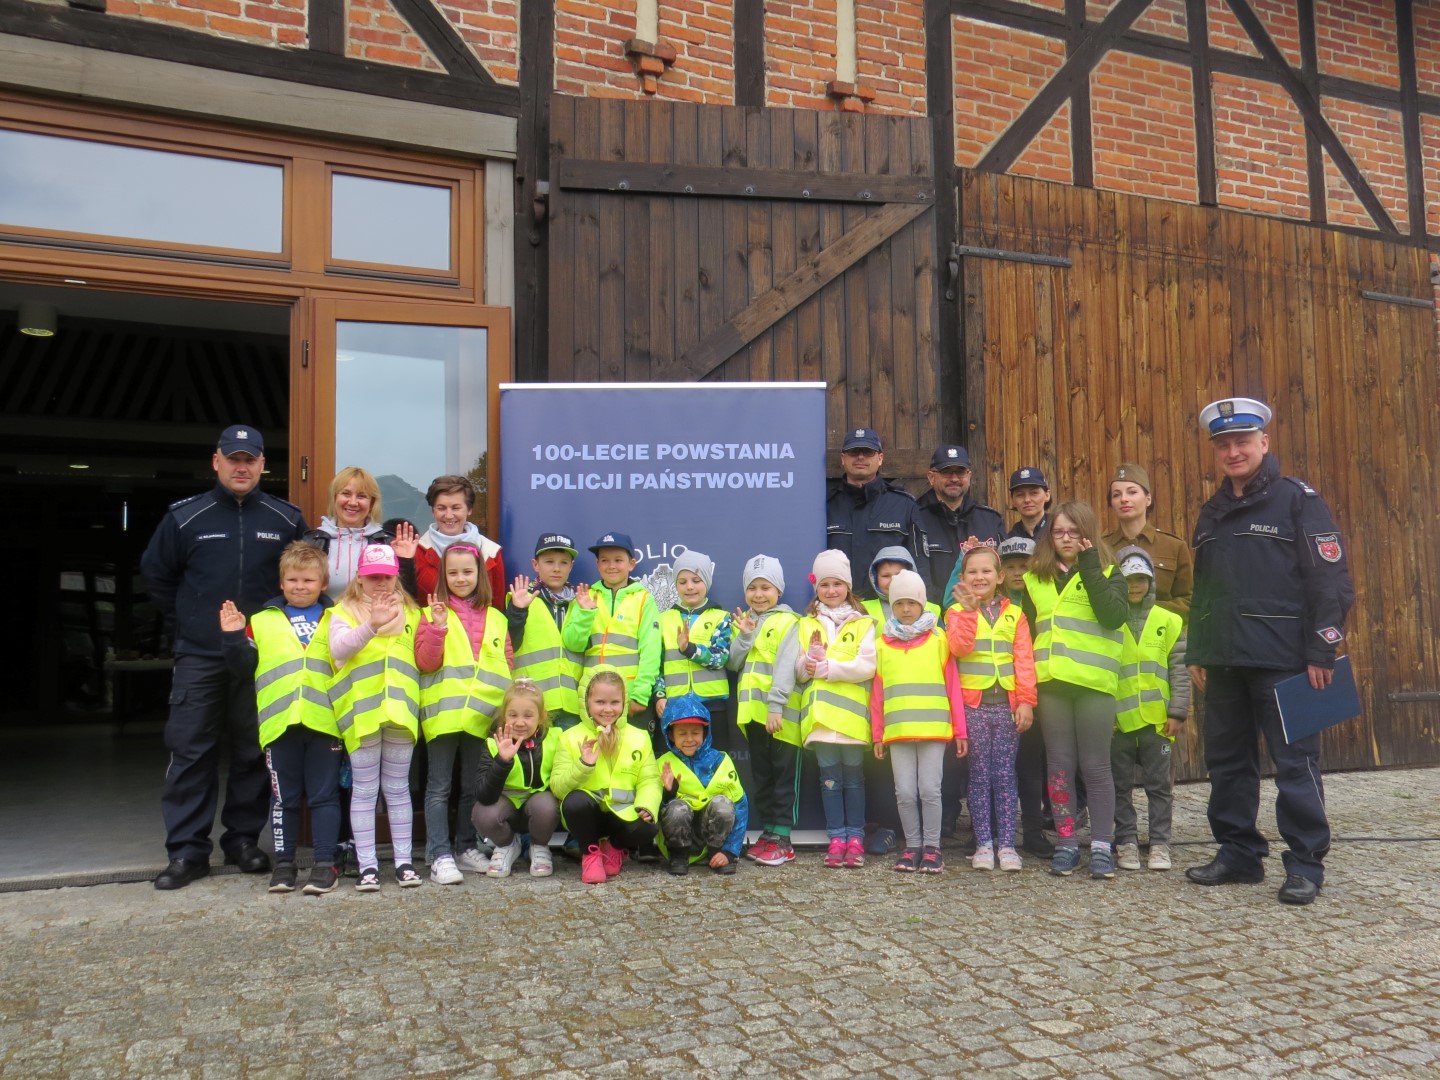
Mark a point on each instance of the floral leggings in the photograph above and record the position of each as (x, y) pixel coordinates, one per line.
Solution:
(993, 744)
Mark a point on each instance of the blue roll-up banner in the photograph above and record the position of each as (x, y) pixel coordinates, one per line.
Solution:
(729, 469)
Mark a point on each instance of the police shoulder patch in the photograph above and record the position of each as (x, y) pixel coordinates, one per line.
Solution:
(1331, 635)
(1327, 545)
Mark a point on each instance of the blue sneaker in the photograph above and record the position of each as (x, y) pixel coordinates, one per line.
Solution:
(1065, 860)
(1102, 863)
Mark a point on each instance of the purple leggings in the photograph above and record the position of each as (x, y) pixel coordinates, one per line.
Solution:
(993, 743)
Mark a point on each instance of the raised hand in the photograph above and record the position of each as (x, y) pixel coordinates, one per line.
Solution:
(667, 777)
(231, 617)
(438, 613)
(382, 609)
(405, 540)
(684, 637)
(584, 597)
(964, 597)
(520, 594)
(744, 621)
(506, 745)
(589, 751)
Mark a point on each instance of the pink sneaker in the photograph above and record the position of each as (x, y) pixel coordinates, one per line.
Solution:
(835, 854)
(854, 853)
(612, 858)
(592, 867)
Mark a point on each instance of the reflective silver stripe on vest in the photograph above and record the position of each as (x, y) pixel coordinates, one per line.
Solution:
(844, 704)
(912, 689)
(627, 641)
(1150, 667)
(1129, 671)
(699, 677)
(517, 793)
(938, 714)
(546, 685)
(750, 693)
(319, 667)
(1091, 629)
(308, 693)
(759, 667)
(342, 685)
(975, 668)
(280, 671)
(993, 645)
(538, 656)
(1085, 657)
(622, 796)
(1133, 702)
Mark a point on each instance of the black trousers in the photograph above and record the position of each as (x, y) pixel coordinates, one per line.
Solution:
(211, 707)
(775, 776)
(1239, 707)
(589, 823)
(1030, 779)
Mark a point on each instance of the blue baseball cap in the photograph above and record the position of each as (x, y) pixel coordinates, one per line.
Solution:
(240, 439)
(613, 540)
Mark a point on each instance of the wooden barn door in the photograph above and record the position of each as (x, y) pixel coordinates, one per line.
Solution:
(704, 242)
(1097, 325)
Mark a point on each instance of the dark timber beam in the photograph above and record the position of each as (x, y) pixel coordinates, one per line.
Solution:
(1309, 72)
(1074, 73)
(440, 36)
(750, 52)
(1197, 19)
(726, 181)
(532, 168)
(1410, 118)
(956, 396)
(325, 27)
(1309, 107)
(1082, 141)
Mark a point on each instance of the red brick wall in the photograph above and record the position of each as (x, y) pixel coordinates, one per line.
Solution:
(799, 53)
(267, 22)
(492, 29)
(890, 53)
(376, 32)
(997, 72)
(1260, 149)
(1142, 120)
(1372, 136)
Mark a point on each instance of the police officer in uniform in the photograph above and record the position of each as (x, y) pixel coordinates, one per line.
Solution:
(949, 515)
(1271, 594)
(864, 512)
(222, 545)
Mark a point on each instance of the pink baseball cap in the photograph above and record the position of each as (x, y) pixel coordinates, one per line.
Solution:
(378, 559)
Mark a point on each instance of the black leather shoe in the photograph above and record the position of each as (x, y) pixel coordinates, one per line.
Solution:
(1038, 844)
(1298, 890)
(249, 858)
(180, 873)
(1216, 872)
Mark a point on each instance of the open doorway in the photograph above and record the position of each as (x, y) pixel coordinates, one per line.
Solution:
(104, 422)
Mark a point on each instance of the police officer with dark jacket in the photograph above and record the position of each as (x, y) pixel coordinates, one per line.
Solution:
(949, 515)
(1272, 590)
(865, 512)
(222, 545)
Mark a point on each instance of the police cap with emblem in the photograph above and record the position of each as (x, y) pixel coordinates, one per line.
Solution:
(240, 439)
(949, 457)
(1235, 414)
(1028, 477)
(861, 438)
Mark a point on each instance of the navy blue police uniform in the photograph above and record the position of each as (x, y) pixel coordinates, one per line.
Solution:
(1272, 590)
(206, 550)
(862, 519)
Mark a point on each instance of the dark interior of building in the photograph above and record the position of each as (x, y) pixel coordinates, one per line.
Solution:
(103, 423)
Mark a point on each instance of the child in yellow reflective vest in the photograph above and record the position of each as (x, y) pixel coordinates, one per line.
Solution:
(696, 636)
(990, 641)
(703, 814)
(606, 780)
(375, 690)
(767, 708)
(536, 610)
(514, 794)
(463, 652)
(835, 669)
(297, 726)
(1153, 702)
(915, 710)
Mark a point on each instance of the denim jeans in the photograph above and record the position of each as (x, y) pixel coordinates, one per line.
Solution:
(842, 789)
(441, 752)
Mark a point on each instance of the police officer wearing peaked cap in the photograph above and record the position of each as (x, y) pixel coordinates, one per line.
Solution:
(222, 545)
(864, 512)
(949, 515)
(1272, 590)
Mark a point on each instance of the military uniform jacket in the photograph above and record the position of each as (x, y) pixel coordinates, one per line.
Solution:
(1272, 587)
(861, 521)
(212, 548)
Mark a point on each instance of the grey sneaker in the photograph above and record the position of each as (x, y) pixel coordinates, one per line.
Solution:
(1128, 856)
(1159, 857)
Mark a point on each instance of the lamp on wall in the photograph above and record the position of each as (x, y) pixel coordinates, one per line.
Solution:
(37, 320)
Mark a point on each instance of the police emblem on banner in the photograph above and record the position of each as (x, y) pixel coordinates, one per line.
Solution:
(1328, 546)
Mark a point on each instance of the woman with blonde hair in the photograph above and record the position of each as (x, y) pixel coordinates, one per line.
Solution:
(351, 525)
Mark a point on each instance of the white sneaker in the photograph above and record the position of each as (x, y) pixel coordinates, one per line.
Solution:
(1010, 859)
(1127, 856)
(474, 860)
(444, 872)
(541, 862)
(503, 859)
(1159, 857)
(984, 858)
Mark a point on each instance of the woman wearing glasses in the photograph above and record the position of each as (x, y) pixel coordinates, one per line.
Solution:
(1077, 605)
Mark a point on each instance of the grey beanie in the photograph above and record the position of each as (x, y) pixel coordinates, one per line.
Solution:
(696, 562)
(764, 566)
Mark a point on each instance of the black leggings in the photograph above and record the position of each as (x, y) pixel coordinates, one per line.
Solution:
(589, 822)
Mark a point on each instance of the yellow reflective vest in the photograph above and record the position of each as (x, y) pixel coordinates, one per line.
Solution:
(516, 789)
(684, 676)
(757, 677)
(623, 784)
(542, 656)
(290, 679)
(843, 707)
(378, 685)
(1075, 647)
(1144, 689)
(464, 693)
(912, 689)
(992, 660)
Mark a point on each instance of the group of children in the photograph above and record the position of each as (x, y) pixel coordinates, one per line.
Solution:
(586, 708)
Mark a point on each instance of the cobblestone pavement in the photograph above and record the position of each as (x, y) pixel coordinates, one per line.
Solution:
(797, 971)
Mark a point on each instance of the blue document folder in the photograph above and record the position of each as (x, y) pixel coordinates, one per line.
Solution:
(1304, 711)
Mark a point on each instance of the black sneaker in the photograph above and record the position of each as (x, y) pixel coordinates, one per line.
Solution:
(679, 861)
(283, 879)
(407, 877)
(323, 878)
(1037, 843)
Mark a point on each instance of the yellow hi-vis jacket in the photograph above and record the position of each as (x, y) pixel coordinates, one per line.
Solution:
(290, 679)
(684, 676)
(993, 658)
(542, 656)
(757, 677)
(378, 685)
(464, 693)
(696, 795)
(1145, 672)
(1070, 643)
(623, 784)
(843, 707)
(912, 690)
(627, 638)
